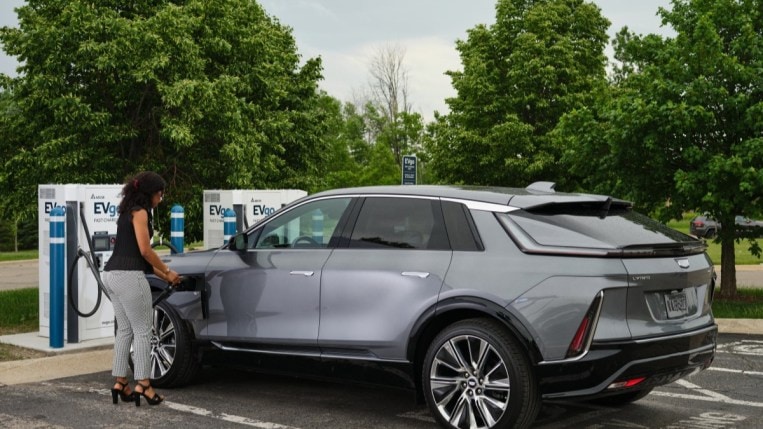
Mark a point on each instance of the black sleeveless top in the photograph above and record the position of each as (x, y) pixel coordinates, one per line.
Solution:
(126, 255)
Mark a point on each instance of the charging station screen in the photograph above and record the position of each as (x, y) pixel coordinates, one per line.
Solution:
(101, 243)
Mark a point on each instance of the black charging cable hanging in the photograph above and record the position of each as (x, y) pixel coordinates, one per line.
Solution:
(91, 264)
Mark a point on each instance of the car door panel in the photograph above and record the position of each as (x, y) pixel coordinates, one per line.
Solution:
(392, 271)
(269, 291)
(265, 295)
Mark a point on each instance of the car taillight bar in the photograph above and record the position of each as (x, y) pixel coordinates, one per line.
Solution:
(584, 334)
(626, 383)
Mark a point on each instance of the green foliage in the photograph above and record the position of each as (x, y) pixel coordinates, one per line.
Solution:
(539, 60)
(679, 129)
(682, 122)
(22, 234)
(208, 94)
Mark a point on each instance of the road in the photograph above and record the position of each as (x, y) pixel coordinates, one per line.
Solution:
(24, 274)
(725, 396)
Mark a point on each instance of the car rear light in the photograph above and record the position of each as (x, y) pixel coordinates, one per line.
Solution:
(698, 224)
(626, 383)
(583, 336)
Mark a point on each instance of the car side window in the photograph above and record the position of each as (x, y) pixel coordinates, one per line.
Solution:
(310, 225)
(406, 223)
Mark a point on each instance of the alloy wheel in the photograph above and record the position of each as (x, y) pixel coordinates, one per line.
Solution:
(163, 344)
(470, 382)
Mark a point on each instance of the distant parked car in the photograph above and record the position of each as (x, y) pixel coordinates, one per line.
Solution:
(704, 226)
(749, 227)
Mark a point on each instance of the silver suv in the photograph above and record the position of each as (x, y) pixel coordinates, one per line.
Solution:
(491, 299)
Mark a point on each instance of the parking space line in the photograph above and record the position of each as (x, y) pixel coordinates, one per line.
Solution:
(736, 371)
(708, 395)
(201, 412)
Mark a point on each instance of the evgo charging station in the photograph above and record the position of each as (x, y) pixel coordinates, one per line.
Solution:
(91, 214)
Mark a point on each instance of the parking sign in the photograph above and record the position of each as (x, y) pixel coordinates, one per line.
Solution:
(409, 169)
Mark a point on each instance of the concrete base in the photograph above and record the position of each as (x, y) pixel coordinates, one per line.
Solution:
(34, 341)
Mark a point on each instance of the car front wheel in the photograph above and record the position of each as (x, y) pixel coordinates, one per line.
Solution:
(173, 360)
(476, 375)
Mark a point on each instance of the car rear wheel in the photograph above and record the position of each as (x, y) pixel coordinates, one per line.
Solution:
(173, 360)
(476, 375)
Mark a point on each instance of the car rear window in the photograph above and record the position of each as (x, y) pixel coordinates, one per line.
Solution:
(584, 227)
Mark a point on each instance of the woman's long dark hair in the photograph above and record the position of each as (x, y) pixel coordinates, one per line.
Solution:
(139, 190)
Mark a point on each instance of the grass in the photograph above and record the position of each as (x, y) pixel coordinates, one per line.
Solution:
(741, 249)
(18, 256)
(19, 311)
(747, 305)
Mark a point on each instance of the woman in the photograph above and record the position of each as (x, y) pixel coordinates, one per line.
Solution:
(125, 279)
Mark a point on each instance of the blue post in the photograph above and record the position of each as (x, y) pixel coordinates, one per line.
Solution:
(177, 224)
(229, 225)
(57, 274)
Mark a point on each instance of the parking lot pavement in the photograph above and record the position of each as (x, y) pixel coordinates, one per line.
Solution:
(725, 396)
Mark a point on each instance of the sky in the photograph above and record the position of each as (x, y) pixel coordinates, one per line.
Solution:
(346, 34)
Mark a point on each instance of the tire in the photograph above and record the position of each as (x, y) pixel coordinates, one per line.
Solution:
(623, 398)
(173, 359)
(710, 233)
(457, 389)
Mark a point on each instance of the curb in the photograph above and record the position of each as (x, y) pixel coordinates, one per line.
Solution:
(53, 367)
(740, 326)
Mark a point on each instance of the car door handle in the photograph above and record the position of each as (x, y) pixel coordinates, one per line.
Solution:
(419, 274)
(302, 273)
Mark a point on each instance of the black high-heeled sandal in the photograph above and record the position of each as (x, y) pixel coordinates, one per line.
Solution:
(126, 397)
(153, 400)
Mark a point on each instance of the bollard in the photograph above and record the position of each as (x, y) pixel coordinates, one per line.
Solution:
(318, 226)
(57, 274)
(229, 225)
(177, 224)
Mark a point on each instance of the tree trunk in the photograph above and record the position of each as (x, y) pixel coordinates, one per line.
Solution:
(728, 268)
(15, 231)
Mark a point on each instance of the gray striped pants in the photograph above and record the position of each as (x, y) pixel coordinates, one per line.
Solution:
(131, 296)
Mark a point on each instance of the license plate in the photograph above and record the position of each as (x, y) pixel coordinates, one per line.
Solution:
(676, 304)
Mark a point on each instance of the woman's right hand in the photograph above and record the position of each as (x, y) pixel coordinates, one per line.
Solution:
(173, 277)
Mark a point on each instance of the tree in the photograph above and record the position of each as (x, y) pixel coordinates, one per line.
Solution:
(540, 59)
(389, 89)
(209, 94)
(682, 127)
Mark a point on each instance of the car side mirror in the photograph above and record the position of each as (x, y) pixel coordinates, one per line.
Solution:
(238, 242)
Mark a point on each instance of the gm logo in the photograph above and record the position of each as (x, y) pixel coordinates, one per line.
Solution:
(103, 208)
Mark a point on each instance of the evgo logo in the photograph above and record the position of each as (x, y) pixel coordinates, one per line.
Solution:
(103, 208)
